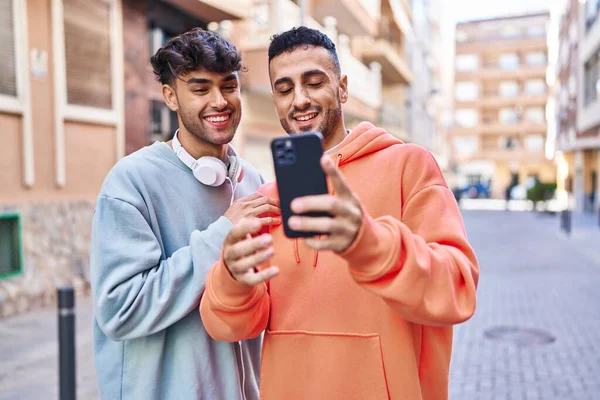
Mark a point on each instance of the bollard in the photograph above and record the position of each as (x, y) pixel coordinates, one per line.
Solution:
(565, 221)
(66, 343)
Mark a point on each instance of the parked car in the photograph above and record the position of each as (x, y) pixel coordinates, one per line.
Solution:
(474, 191)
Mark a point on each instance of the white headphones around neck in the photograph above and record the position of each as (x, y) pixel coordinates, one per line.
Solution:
(210, 171)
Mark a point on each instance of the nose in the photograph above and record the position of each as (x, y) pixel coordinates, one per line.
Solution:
(301, 100)
(218, 101)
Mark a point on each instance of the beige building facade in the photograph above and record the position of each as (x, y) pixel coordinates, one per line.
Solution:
(500, 99)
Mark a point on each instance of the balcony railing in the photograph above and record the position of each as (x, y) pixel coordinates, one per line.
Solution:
(392, 115)
(271, 17)
(364, 82)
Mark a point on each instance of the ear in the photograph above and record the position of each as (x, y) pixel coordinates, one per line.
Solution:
(343, 89)
(170, 97)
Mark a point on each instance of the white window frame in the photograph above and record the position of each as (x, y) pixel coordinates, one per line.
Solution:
(21, 103)
(76, 113)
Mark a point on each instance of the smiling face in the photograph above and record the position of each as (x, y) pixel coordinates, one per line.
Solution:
(308, 91)
(208, 105)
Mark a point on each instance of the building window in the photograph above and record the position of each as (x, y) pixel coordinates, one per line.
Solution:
(508, 116)
(509, 143)
(8, 75)
(536, 31)
(466, 91)
(467, 62)
(508, 89)
(88, 53)
(465, 145)
(461, 36)
(509, 61)
(535, 87)
(591, 78)
(535, 143)
(591, 12)
(466, 117)
(11, 246)
(536, 59)
(510, 32)
(535, 115)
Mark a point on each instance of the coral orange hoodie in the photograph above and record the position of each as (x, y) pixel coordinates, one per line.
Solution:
(376, 321)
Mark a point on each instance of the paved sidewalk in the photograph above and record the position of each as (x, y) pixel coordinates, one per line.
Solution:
(536, 332)
(29, 348)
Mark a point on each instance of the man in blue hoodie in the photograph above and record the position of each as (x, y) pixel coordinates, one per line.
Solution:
(159, 223)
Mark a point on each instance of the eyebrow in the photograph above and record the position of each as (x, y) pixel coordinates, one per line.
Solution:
(192, 81)
(305, 75)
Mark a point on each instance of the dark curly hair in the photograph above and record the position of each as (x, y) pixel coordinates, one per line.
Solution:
(193, 50)
(302, 36)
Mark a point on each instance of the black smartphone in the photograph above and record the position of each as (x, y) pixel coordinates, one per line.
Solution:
(298, 171)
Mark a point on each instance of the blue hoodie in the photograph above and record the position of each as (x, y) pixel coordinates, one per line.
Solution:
(156, 233)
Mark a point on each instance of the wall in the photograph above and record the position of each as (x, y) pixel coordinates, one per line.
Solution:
(56, 222)
(56, 241)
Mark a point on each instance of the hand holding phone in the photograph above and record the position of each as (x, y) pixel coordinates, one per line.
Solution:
(308, 210)
(298, 172)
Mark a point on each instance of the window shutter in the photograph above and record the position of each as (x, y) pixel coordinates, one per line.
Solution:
(8, 83)
(87, 48)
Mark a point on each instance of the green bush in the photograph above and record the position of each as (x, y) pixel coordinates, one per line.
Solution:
(541, 191)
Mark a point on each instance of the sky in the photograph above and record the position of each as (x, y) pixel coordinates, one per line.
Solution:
(463, 10)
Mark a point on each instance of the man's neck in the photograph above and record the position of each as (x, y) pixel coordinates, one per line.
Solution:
(338, 136)
(198, 148)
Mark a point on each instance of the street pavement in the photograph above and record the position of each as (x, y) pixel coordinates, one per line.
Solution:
(535, 334)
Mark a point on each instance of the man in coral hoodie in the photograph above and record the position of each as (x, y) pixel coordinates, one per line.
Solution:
(365, 311)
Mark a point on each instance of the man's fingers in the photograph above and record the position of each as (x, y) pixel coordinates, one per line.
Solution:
(253, 278)
(337, 179)
(265, 200)
(270, 221)
(265, 209)
(247, 247)
(245, 264)
(241, 230)
(312, 224)
(252, 197)
(324, 202)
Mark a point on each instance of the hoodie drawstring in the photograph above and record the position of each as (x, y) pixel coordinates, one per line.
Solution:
(296, 252)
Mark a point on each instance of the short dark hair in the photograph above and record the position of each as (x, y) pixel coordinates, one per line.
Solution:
(302, 36)
(193, 50)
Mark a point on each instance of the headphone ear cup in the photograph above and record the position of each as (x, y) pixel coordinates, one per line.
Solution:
(210, 171)
(236, 171)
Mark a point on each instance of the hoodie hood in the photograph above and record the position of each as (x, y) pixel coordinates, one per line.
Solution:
(364, 139)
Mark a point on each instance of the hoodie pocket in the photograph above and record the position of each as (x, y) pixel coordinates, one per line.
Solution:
(311, 365)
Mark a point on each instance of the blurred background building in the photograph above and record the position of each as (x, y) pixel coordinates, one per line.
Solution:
(500, 97)
(499, 100)
(577, 101)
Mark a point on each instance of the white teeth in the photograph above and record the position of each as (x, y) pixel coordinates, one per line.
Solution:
(306, 117)
(218, 119)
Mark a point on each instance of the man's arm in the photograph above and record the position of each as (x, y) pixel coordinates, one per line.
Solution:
(232, 311)
(135, 292)
(423, 265)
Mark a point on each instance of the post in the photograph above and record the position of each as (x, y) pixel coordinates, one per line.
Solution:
(302, 5)
(66, 343)
(565, 221)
